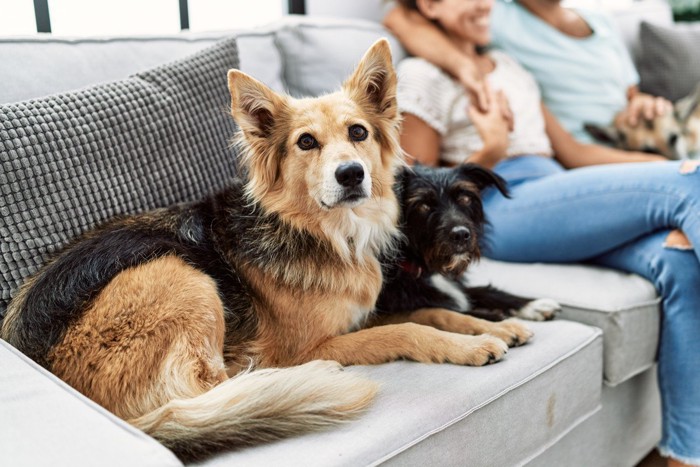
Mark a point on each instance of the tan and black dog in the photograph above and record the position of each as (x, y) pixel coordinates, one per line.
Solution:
(176, 319)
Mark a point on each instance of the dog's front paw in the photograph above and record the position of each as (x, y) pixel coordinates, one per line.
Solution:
(542, 309)
(476, 350)
(511, 331)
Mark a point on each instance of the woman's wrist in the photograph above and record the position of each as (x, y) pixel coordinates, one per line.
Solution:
(465, 70)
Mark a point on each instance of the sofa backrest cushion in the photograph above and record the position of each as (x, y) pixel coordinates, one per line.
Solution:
(670, 61)
(74, 160)
(260, 57)
(320, 53)
(630, 17)
(42, 65)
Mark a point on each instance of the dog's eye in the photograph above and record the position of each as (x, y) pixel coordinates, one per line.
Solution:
(358, 133)
(307, 142)
(424, 208)
(464, 199)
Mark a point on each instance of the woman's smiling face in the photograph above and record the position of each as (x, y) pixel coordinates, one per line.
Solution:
(467, 20)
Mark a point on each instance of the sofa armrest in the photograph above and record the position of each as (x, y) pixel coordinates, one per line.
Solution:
(46, 422)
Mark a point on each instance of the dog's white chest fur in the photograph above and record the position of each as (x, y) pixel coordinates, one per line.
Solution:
(365, 230)
(449, 288)
(358, 317)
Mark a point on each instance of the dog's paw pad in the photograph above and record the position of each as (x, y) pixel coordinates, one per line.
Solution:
(512, 331)
(542, 309)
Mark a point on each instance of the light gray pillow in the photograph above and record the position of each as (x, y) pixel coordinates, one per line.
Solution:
(320, 53)
(670, 59)
(39, 66)
(74, 160)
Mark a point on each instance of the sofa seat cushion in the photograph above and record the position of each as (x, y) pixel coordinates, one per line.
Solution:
(625, 306)
(500, 414)
(45, 422)
(74, 160)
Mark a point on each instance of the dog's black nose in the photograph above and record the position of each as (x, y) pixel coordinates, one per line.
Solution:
(460, 234)
(350, 174)
(672, 140)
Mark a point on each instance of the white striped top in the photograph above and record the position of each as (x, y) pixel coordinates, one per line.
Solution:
(430, 94)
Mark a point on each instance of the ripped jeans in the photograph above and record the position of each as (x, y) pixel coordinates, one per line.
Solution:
(618, 216)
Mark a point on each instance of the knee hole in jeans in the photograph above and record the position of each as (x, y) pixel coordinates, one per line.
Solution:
(676, 240)
(689, 167)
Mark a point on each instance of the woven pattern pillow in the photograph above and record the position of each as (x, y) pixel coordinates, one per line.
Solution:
(669, 65)
(71, 161)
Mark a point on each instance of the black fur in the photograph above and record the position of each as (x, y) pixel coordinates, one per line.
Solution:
(435, 202)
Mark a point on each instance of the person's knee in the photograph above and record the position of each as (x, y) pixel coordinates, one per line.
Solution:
(688, 185)
(676, 269)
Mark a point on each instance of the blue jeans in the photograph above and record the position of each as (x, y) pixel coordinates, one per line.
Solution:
(617, 216)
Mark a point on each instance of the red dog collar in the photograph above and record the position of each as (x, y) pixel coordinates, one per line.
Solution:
(411, 268)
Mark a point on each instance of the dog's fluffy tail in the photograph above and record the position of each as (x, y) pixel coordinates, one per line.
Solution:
(257, 407)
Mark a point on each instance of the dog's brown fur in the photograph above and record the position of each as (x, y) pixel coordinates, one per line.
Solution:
(157, 343)
(150, 327)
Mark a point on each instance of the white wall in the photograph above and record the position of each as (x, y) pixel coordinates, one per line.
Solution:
(374, 9)
(365, 9)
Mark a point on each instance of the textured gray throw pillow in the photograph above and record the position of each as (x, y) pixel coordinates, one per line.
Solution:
(71, 161)
(670, 59)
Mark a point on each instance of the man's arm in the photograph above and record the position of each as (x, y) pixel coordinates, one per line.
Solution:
(644, 106)
(423, 39)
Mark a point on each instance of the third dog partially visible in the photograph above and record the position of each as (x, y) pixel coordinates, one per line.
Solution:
(442, 221)
(675, 135)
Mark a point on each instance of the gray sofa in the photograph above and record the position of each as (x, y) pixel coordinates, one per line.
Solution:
(582, 393)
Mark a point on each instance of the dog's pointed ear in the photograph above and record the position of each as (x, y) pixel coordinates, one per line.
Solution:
(604, 134)
(373, 83)
(254, 106)
(483, 178)
(257, 110)
(687, 106)
(403, 173)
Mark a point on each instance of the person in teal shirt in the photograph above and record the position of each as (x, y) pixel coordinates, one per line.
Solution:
(582, 79)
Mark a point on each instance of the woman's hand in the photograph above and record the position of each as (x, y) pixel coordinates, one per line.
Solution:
(477, 88)
(493, 128)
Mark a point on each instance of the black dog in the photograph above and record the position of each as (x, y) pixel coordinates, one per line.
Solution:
(443, 222)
